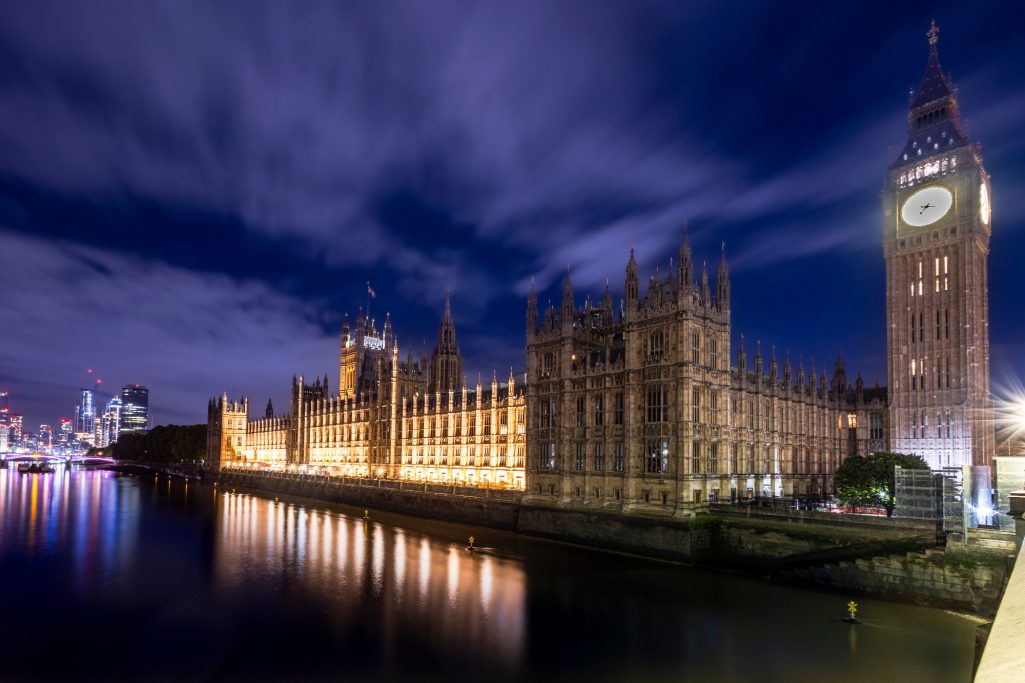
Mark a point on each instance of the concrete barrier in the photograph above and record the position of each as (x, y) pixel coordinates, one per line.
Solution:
(1003, 658)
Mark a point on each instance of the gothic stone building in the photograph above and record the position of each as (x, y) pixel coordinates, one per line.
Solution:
(936, 231)
(642, 408)
(391, 418)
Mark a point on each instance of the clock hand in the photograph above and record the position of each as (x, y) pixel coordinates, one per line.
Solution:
(924, 207)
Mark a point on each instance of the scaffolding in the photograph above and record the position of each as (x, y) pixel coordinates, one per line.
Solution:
(918, 494)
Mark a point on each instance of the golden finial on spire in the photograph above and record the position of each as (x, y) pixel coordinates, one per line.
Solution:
(934, 33)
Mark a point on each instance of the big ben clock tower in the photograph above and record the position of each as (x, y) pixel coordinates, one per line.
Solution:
(936, 230)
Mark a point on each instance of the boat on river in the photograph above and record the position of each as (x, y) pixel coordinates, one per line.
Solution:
(34, 467)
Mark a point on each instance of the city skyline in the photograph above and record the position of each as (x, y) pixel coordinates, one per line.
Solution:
(236, 284)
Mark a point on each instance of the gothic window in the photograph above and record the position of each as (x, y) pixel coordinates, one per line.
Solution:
(713, 351)
(618, 416)
(548, 455)
(713, 457)
(695, 456)
(471, 426)
(599, 410)
(580, 411)
(946, 273)
(471, 456)
(487, 423)
(549, 364)
(695, 405)
(733, 458)
(485, 452)
(948, 423)
(695, 352)
(599, 456)
(580, 459)
(617, 461)
(937, 323)
(656, 343)
(518, 449)
(876, 426)
(751, 459)
(657, 456)
(658, 403)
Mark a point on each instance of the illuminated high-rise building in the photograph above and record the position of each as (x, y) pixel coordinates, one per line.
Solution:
(66, 432)
(45, 436)
(110, 425)
(134, 408)
(16, 428)
(85, 413)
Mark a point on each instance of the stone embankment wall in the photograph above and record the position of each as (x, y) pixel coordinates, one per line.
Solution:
(494, 508)
(682, 540)
(957, 580)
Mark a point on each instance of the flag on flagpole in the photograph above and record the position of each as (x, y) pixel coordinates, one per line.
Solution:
(371, 292)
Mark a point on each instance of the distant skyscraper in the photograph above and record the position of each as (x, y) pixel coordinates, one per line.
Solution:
(85, 413)
(110, 426)
(17, 427)
(45, 436)
(134, 408)
(66, 433)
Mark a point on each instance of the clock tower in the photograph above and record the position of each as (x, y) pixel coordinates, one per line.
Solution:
(936, 231)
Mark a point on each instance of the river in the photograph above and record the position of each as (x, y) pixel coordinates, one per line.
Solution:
(115, 577)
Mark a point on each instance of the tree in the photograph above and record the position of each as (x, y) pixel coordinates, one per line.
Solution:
(869, 480)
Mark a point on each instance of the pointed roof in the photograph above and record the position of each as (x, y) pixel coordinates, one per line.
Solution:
(934, 126)
(934, 84)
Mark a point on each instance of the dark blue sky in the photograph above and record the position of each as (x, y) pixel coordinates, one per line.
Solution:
(192, 194)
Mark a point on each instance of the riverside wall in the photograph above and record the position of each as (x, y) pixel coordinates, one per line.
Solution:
(888, 558)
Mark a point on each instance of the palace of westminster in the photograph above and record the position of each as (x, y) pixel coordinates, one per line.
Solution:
(639, 406)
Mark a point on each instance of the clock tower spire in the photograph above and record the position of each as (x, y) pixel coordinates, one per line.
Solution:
(936, 231)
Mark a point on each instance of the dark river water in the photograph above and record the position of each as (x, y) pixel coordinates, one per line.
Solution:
(112, 577)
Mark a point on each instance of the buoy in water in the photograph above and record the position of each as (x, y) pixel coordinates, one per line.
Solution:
(852, 611)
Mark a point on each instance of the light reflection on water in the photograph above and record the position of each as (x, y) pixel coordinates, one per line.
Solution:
(244, 587)
(347, 561)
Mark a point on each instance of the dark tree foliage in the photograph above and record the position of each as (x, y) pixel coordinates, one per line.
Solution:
(163, 444)
(869, 480)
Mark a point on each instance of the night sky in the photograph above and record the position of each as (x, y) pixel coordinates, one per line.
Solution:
(192, 194)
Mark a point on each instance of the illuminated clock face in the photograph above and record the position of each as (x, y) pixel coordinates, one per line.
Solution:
(926, 206)
(984, 204)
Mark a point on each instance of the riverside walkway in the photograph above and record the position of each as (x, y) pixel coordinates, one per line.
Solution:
(1003, 659)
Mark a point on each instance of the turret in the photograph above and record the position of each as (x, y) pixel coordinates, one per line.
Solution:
(722, 282)
(532, 311)
(685, 271)
(631, 288)
(705, 295)
(839, 376)
(568, 308)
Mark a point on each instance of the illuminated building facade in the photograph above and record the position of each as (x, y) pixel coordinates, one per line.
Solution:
(936, 232)
(110, 423)
(391, 418)
(134, 413)
(642, 409)
(85, 417)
